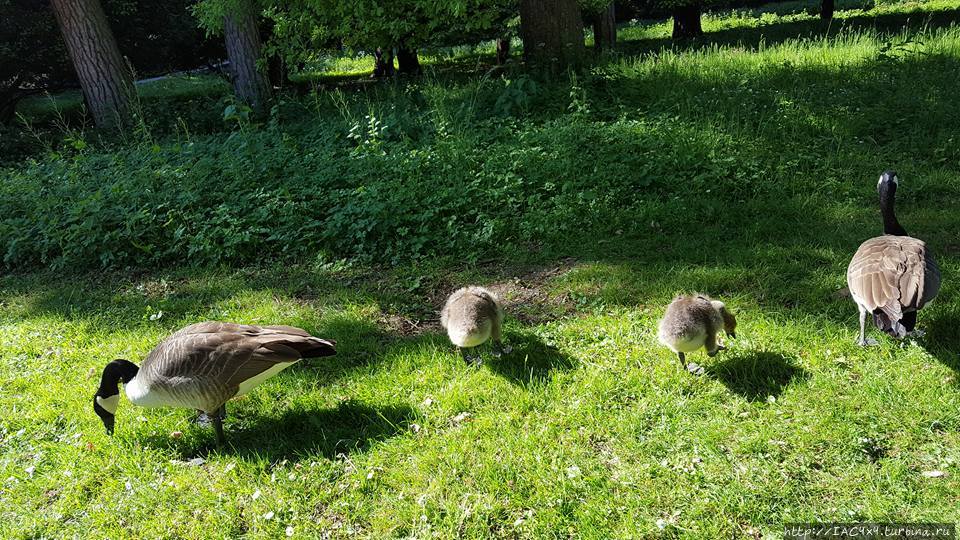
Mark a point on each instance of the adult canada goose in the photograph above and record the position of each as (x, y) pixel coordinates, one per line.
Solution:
(891, 276)
(692, 322)
(203, 365)
(471, 316)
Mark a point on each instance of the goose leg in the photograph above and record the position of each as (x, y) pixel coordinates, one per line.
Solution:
(218, 417)
(498, 348)
(468, 356)
(863, 340)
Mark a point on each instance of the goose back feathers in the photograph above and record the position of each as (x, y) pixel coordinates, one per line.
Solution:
(471, 316)
(890, 276)
(203, 365)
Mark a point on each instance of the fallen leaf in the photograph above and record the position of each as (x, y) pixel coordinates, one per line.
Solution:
(268, 516)
(256, 495)
(460, 417)
(176, 434)
(196, 462)
(933, 474)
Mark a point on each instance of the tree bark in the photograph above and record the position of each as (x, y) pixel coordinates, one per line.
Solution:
(503, 50)
(407, 61)
(552, 34)
(242, 38)
(686, 21)
(105, 78)
(605, 29)
(826, 9)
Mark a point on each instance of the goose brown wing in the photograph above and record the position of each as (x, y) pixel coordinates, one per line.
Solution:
(212, 358)
(931, 278)
(875, 276)
(920, 278)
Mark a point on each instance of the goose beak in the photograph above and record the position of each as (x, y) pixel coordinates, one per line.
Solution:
(108, 422)
(107, 417)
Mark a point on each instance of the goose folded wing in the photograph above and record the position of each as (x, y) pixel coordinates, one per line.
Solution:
(874, 277)
(912, 277)
(264, 352)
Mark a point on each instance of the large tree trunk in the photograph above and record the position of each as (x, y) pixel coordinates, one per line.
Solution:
(686, 21)
(105, 78)
(243, 49)
(605, 29)
(826, 9)
(503, 50)
(407, 61)
(552, 33)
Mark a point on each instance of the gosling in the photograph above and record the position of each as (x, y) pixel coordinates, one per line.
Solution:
(692, 322)
(471, 316)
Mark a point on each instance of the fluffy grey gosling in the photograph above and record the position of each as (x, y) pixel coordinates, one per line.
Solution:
(471, 316)
(203, 366)
(692, 322)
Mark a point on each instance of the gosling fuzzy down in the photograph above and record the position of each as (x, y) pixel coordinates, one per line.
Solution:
(692, 322)
(471, 316)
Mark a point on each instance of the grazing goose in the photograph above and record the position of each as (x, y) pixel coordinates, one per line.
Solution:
(891, 276)
(692, 322)
(471, 316)
(204, 365)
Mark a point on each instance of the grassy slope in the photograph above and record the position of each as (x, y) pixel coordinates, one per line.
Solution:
(589, 428)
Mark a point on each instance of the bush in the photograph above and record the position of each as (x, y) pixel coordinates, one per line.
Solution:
(262, 193)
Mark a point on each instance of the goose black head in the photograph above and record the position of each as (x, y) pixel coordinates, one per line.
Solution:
(108, 395)
(888, 180)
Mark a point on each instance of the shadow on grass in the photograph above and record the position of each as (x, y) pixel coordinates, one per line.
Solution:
(350, 427)
(756, 375)
(943, 337)
(530, 361)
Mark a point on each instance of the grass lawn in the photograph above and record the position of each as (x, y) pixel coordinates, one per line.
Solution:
(745, 169)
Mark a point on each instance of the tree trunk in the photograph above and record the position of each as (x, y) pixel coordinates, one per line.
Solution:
(826, 9)
(407, 61)
(605, 29)
(552, 33)
(243, 49)
(105, 78)
(503, 50)
(686, 21)
(382, 63)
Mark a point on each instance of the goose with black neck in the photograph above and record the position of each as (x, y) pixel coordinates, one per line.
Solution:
(893, 276)
(204, 365)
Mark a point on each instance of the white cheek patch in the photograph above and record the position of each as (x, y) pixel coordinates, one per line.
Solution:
(109, 404)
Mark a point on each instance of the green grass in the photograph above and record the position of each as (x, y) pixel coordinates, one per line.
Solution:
(743, 168)
(177, 87)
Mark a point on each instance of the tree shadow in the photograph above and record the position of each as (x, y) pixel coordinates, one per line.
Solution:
(943, 337)
(348, 428)
(530, 361)
(756, 375)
